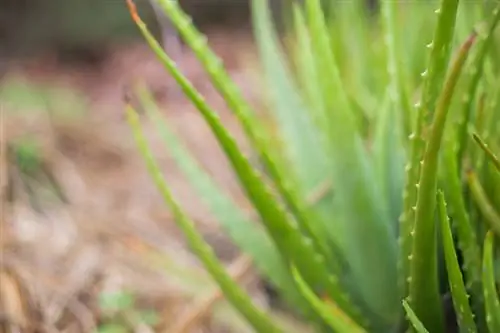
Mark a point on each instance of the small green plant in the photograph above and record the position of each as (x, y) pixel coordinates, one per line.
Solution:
(120, 313)
(413, 212)
(29, 170)
(21, 98)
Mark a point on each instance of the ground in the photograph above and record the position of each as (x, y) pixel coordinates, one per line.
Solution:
(106, 232)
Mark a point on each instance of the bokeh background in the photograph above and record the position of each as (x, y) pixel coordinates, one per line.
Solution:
(87, 244)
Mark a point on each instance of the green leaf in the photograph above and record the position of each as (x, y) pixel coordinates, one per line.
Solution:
(395, 88)
(118, 301)
(28, 155)
(279, 171)
(308, 75)
(233, 292)
(489, 212)
(19, 95)
(247, 234)
(364, 234)
(331, 314)
(112, 328)
(491, 156)
(476, 74)
(433, 78)
(458, 292)
(466, 233)
(389, 160)
(284, 230)
(490, 290)
(417, 324)
(305, 152)
(424, 290)
(302, 149)
(149, 317)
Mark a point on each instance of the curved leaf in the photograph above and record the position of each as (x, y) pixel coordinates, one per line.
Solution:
(490, 290)
(487, 210)
(416, 323)
(331, 314)
(280, 225)
(458, 292)
(366, 237)
(233, 292)
(491, 156)
(462, 223)
(476, 74)
(247, 234)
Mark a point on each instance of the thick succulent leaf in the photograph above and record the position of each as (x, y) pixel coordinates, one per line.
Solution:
(465, 230)
(282, 227)
(475, 153)
(415, 322)
(365, 234)
(459, 294)
(433, 78)
(233, 292)
(491, 183)
(309, 80)
(307, 73)
(305, 152)
(490, 290)
(329, 311)
(490, 214)
(247, 234)
(348, 30)
(396, 88)
(476, 74)
(284, 178)
(389, 160)
(424, 289)
(491, 156)
(306, 146)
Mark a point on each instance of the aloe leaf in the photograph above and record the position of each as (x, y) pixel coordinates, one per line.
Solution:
(389, 160)
(491, 156)
(331, 314)
(281, 226)
(305, 151)
(490, 290)
(395, 88)
(489, 212)
(467, 237)
(366, 236)
(247, 234)
(308, 76)
(433, 77)
(476, 154)
(350, 31)
(283, 177)
(308, 145)
(416, 323)
(233, 292)
(424, 290)
(476, 74)
(459, 293)
(307, 72)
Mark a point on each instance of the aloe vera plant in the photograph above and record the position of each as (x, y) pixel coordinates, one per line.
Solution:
(378, 250)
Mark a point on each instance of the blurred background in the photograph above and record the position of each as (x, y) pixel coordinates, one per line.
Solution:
(87, 244)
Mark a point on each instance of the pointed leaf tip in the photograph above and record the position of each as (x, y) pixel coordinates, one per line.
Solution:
(132, 8)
